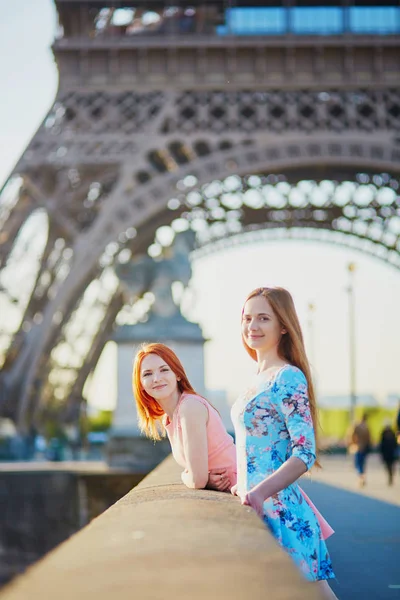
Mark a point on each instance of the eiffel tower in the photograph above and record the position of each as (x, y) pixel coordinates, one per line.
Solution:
(213, 115)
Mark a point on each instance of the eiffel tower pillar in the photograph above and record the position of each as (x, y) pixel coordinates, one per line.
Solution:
(162, 114)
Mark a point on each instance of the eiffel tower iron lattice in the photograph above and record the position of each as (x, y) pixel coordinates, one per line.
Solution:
(165, 118)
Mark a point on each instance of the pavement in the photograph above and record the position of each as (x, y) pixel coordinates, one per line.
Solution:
(365, 548)
(339, 470)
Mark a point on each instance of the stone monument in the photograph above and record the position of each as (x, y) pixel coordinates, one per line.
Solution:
(165, 323)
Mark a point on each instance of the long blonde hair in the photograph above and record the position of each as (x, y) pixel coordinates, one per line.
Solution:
(291, 344)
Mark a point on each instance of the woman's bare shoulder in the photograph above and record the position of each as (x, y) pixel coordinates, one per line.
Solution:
(191, 404)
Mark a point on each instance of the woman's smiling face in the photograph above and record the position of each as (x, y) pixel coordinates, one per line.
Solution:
(260, 326)
(157, 377)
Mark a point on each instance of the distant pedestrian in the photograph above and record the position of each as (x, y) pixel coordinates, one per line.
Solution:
(388, 448)
(398, 421)
(361, 442)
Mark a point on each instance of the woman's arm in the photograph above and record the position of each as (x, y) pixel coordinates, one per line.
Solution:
(193, 417)
(291, 470)
(295, 408)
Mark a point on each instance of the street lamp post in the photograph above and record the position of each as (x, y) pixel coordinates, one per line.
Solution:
(351, 267)
(311, 309)
(311, 345)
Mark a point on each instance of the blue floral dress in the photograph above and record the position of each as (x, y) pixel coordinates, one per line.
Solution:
(272, 423)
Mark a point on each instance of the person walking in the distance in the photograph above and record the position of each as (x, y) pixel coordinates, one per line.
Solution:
(398, 421)
(361, 446)
(275, 423)
(388, 449)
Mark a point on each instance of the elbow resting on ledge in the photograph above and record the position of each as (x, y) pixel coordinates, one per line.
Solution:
(194, 481)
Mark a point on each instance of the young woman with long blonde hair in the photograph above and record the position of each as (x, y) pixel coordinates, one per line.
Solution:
(167, 404)
(276, 433)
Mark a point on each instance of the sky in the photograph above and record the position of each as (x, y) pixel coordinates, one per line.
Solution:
(315, 273)
(28, 75)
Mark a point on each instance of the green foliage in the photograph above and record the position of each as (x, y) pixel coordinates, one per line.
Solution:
(52, 428)
(335, 424)
(101, 421)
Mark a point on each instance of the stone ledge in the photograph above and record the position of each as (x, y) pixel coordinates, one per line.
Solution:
(164, 541)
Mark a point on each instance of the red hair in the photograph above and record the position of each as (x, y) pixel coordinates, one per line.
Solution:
(149, 411)
(291, 345)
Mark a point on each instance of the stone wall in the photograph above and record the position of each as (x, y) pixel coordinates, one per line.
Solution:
(163, 541)
(39, 510)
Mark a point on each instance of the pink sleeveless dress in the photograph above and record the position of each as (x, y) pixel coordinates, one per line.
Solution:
(221, 449)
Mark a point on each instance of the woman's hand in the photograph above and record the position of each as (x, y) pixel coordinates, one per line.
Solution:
(255, 499)
(218, 480)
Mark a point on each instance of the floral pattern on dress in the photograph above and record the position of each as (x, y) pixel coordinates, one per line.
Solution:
(273, 422)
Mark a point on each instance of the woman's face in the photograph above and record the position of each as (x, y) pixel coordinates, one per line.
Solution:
(260, 326)
(157, 378)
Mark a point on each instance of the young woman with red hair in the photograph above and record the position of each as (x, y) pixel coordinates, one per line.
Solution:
(276, 428)
(167, 404)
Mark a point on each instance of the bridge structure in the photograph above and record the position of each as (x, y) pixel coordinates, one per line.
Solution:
(218, 116)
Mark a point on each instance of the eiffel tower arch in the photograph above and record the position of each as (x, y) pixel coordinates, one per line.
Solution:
(188, 115)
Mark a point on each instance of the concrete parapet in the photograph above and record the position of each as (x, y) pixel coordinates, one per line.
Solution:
(164, 541)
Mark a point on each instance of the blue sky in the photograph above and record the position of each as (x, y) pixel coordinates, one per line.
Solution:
(312, 272)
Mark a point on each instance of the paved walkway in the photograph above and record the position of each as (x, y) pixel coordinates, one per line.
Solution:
(365, 549)
(339, 470)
